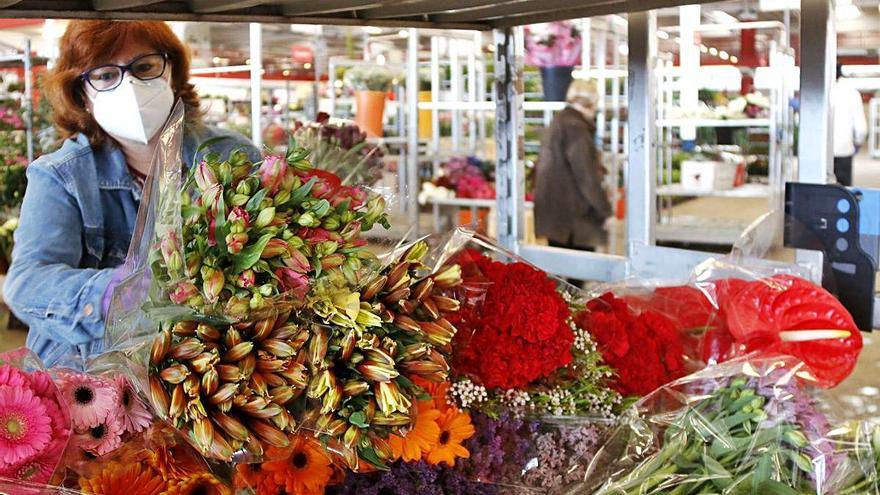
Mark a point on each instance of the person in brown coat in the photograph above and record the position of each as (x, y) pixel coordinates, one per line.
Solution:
(571, 205)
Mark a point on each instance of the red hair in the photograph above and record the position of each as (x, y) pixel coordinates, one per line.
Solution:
(86, 44)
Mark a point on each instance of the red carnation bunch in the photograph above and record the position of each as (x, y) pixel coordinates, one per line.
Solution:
(519, 332)
(645, 348)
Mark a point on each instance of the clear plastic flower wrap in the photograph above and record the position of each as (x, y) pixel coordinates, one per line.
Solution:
(34, 421)
(518, 347)
(747, 426)
(14, 487)
(156, 461)
(728, 309)
(230, 240)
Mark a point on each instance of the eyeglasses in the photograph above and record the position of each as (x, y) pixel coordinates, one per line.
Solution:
(109, 77)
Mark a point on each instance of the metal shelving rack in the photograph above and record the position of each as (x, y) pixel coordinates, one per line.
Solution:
(643, 257)
(777, 125)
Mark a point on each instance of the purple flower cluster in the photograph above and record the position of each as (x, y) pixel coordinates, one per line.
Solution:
(508, 456)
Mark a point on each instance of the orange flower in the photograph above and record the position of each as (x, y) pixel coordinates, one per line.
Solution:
(455, 428)
(422, 437)
(304, 469)
(198, 484)
(174, 462)
(255, 478)
(439, 392)
(119, 479)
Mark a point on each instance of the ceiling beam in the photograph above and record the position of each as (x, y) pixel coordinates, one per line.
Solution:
(522, 7)
(424, 7)
(619, 7)
(210, 6)
(315, 7)
(116, 4)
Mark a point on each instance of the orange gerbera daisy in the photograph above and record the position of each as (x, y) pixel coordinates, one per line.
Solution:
(119, 479)
(255, 478)
(305, 469)
(455, 428)
(198, 484)
(174, 461)
(421, 438)
(438, 391)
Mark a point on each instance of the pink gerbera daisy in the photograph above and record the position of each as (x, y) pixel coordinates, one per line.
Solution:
(24, 427)
(10, 375)
(134, 414)
(37, 470)
(103, 438)
(42, 385)
(89, 399)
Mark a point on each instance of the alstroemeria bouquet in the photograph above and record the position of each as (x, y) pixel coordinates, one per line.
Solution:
(254, 237)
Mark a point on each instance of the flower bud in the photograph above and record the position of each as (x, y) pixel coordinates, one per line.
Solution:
(210, 381)
(269, 433)
(224, 393)
(204, 362)
(243, 188)
(246, 279)
(238, 352)
(186, 349)
(308, 220)
(232, 426)
(333, 261)
(332, 399)
(212, 285)
(283, 196)
(178, 402)
(161, 346)
(377, 372)
(265, 217)
(355, 387)
(205, 176)
(274, 248)
(159, 395)
(183, 292)
(174, 374)
(235, 242)
(239, 199)
(237, 307)
(193, 264)
(351, 437)
(390, 399)
(272, 172)
(331, 223)
(225, 172)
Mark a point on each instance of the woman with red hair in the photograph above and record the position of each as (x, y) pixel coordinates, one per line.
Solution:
(112, 89)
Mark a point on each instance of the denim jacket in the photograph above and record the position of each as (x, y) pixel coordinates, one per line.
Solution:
(77, 219)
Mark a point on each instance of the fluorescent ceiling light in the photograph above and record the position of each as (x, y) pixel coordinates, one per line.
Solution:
(724, 55)
(734, 59)
(663, 35)
(847, 11)
(704, 48)
(777, 5)
(713, 51)
(372, 30)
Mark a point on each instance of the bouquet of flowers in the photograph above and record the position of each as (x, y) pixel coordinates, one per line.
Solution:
(469, 177)
(34, 421)
(341, 149)
(540, 362)
(728, 311)
(254, 236)
(553, 44)
(748, 426)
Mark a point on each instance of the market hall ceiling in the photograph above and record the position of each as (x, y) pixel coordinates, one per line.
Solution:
(449, 14)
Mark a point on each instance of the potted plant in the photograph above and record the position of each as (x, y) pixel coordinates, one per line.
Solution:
(555, 48)
(371, 83)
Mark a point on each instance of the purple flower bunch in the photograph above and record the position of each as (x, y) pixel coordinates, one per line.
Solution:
(342, 149)
(11, 119)
(553, 44)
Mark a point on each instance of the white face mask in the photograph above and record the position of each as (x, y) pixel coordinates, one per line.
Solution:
(135, 110)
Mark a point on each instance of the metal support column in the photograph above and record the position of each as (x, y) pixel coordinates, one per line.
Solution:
(818, 59)
(28, 99)
(412, 123)
(641, 208)
(510, 177)
(256, 47)
(815, 145)
(455, 89)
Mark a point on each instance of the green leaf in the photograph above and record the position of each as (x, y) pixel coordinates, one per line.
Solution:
(205, 144)
(188, 211)
(359, 419)
(220, 229)
(300, 194)
(254, 203)
(720, 477)
(773, 487)
(762, 473)
(369, 455)
(249, 256)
